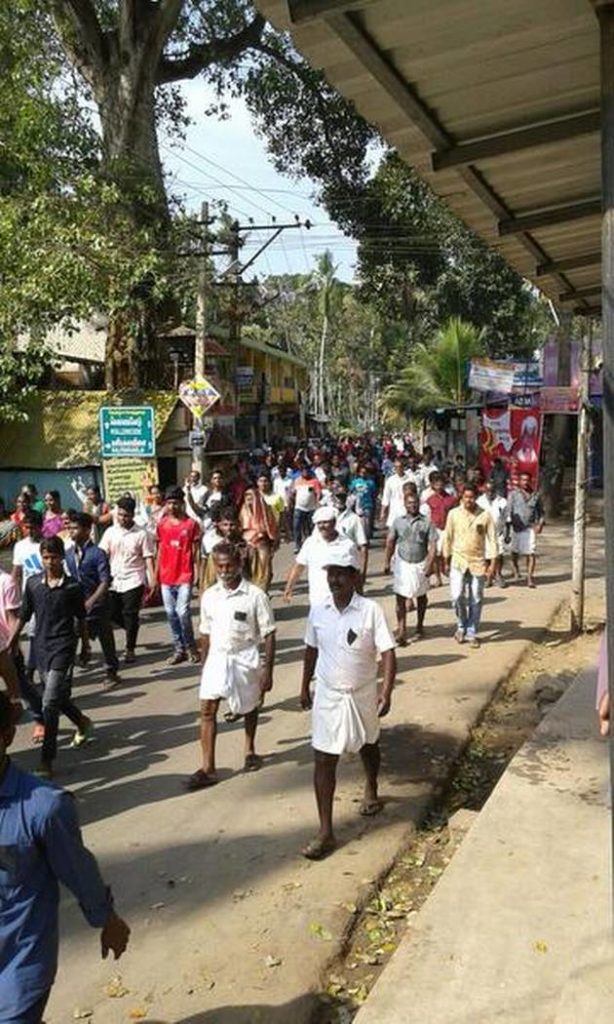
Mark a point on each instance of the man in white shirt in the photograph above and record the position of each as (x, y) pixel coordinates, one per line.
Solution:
(349, 524)
(499, 509)
(27, 562)
(393, 503)
(197, 492)
(316, 552)
(235, 618)
(344, 637)
(130, 550)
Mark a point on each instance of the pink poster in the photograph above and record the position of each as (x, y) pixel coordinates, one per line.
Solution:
(514, 436)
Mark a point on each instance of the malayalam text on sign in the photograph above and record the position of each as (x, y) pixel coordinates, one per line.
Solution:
(127, 432)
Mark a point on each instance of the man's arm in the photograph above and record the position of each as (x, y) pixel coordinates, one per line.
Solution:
(204, 641)
(391, 539)
(9, 674)
(431, 553)
(295, 573)
(73, 864)
(448, 541)
(17, 575)
(310, 658)
(104, 577)
(389, 670)
(266, 682)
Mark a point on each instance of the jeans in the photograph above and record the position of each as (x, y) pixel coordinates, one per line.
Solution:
(466, 591)
(101, 629)
(125, 611)
(302, 525)
(56, 700)
(176, 600)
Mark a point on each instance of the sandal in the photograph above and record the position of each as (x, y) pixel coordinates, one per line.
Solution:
(318, 848)
(370, 807)
(200, 780)
(253, 762)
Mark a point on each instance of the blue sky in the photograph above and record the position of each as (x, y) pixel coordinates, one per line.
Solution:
(225, 160)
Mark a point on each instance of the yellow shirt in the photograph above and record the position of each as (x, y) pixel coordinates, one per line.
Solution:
(276, 503)
(469, 539)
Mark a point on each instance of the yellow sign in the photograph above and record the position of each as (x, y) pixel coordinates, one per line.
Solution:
(199, 395)
(126, 475)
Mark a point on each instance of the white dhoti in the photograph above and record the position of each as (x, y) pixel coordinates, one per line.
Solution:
(409, 578)
(523, 542)
(344, 720)
(234, 678)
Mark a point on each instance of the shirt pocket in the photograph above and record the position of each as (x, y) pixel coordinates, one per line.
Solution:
(357, 642)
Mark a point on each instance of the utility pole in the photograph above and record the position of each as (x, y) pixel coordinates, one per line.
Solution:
(234, 274)
(579, 524)
(199, 461)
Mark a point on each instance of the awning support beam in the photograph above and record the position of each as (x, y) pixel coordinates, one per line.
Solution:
(580, 293)
(527, 137)
(589, 259)
(308, 10)
(546, 218)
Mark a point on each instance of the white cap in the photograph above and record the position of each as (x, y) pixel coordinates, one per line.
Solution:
(324, 514)
(344, 559)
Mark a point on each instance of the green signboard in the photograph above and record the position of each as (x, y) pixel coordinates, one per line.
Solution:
(127, 431)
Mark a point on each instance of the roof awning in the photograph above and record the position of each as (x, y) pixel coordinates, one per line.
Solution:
(495, 105)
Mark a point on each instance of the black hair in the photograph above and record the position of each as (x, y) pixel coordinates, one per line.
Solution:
(470, 487)
(6, 711)
(127, 504)
(226, 549)
(55, 495)
(52, 546)
(33, 518)
(82, 519)
(228, 512)
(174, 493)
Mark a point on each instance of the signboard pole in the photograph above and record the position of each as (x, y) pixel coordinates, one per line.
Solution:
(578, 558)
(198, 452)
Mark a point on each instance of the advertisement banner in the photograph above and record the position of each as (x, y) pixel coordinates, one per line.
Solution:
(128, 476)
(559, 400)
(488, 375)
(514, 436)
(199, 395)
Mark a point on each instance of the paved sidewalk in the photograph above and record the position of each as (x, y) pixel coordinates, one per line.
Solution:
(230, 924)
(513, 932)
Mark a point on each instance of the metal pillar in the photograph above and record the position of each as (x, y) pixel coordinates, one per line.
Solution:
(199, 460)
(579, 523)
(605, 14)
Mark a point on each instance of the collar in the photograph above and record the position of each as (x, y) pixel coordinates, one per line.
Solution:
(241, 589)
(354, 604)
(61, 583)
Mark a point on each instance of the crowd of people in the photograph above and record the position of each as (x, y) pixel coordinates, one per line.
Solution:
(84, 574)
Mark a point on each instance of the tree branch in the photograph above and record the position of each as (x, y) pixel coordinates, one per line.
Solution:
(81, 36)
(197, 58)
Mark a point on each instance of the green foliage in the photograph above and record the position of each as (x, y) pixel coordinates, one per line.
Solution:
(436, 377)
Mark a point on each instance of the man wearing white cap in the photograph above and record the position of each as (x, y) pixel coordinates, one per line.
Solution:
(324, 544)
(345, 634)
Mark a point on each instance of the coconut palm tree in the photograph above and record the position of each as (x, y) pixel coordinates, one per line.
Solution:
(437, 375)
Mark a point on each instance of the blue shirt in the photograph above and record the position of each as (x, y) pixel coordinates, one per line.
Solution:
(90, 566)
(40, 845)
(365, 490)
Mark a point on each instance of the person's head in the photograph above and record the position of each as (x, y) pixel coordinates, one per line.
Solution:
(32, 524)
(193, 478)
(489, 488)
(67, 516)
(468, 497)
(173, 499)
(93, 494)
(409, 488)
(335, 461)
(436, 482)
(155, 494)
(52, 555)
(7, 723)
(399, 465)
(412, 460)
(427, 455)
(325, 522)
(227, 564)
(524, 481)
(305, 471)
(342, 578)
(216, 480)
(80, 527)
(52, 501)
(227, 520)
(30, 491)
(264, 483)
(126, 508)
(22, 502)
(411, 502)
(340, 500)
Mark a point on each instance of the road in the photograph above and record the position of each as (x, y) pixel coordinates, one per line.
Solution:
(230, 924)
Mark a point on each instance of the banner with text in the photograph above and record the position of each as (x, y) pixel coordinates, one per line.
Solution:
(488, 375)
(128, 476)
(514, 436)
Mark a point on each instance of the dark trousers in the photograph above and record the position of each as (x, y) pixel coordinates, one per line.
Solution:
(55, 701)
(101, 628)
(125, 611)
(29, 692)
(302, 525)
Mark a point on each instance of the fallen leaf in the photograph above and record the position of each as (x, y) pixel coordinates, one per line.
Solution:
(115, 988)
(82, 1014)
(540, 946)
(272, 961)
(320, 931)
(157, 906)
(138, 1013)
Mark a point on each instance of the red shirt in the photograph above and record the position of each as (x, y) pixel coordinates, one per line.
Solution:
(175, 556)
(440, 504)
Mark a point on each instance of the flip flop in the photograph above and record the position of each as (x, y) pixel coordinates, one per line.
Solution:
(370, 807)
(200, 780)
(253, 762)
(318, 848)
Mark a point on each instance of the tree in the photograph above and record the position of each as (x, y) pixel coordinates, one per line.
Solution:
(437, 375)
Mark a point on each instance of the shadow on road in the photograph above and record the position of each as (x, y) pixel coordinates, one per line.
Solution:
(295, 1012)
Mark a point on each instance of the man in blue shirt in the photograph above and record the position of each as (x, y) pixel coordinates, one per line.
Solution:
(40, 846)
(89, 565)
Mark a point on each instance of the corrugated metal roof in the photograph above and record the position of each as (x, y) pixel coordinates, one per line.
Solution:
(515, 80)
(62, 427)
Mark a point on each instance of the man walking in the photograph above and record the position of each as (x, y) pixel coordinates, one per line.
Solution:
(40, 846)
(235, 618)
(177, 571)
(88, 564)
(526, 518)
(57, 602)
(497, 506)
(350, 524)
(469, 543)
(438, 505)
(392, 499)
(344, 637)
(325, 543)
(130, 550)
(304, 496)
(413, 542)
